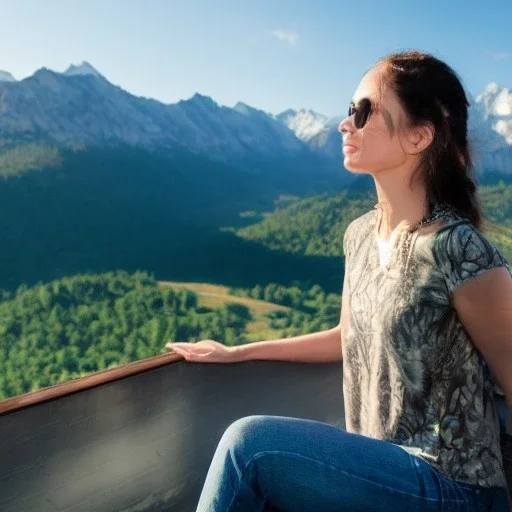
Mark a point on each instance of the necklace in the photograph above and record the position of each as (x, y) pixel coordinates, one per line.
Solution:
(406, 236)
(439, 211)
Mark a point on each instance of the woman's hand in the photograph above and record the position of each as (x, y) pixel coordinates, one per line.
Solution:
(204, 351)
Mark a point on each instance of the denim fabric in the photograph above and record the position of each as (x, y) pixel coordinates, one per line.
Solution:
(276, 463)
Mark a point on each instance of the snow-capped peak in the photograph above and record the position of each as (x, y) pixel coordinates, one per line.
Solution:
(82, 69)
(496, 106)
(503, 103)
(496, 100)
(305, 123)
(287, 113)
(491, 88)
(247, 110)
(5, 76)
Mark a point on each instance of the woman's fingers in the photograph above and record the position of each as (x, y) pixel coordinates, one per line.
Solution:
(177, 347)
(178, 350)
(174, 345)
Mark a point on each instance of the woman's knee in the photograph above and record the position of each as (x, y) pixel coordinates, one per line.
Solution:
(246, 427)
(247, 434)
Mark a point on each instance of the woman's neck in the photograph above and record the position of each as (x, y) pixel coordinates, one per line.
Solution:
(398, 202)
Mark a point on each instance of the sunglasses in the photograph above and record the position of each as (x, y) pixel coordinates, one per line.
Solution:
(362, 112)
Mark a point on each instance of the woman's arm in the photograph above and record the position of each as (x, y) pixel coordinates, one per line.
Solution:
(317, 347)
(480, 288)
(484, 307)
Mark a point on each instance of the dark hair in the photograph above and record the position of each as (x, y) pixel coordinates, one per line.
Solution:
(431, 92)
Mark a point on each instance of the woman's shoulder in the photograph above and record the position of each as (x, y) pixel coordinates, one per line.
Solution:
(361, 223)
(458, 236)
(358, 230)
(462, 251)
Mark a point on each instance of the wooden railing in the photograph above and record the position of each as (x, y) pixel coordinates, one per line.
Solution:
(141, 437)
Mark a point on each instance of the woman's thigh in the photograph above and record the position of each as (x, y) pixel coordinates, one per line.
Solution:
(300, 465)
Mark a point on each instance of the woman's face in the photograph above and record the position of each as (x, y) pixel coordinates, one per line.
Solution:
(378, 146)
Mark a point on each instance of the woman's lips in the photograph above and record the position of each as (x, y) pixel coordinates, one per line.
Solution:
(348, 148)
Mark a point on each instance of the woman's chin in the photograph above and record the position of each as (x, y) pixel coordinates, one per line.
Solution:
(352, 166)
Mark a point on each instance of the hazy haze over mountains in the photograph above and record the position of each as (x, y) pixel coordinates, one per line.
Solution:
(80, 107)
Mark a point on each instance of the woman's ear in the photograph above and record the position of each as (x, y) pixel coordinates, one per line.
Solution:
(420, 138)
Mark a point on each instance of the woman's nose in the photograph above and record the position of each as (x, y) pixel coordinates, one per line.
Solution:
(346, 125)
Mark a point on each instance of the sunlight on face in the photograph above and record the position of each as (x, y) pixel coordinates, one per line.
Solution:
(377, 147)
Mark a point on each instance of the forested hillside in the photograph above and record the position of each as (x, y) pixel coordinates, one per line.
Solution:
(68, 212)
(68, 328)
(315, 226)
(62, 329)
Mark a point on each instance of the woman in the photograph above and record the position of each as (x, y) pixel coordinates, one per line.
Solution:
(426, 329)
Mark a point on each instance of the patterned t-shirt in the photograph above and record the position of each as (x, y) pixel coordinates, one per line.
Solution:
(411, 374)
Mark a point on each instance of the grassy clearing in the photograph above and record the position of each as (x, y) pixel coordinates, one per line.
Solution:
(215, 296)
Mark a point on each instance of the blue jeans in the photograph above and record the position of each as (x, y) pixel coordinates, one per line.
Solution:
(276, 463)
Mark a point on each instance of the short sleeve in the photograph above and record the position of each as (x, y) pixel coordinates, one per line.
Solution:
(462, 253)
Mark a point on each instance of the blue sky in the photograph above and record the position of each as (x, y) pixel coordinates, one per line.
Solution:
(271, 54)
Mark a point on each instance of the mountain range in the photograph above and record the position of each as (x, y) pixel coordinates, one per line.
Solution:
(81, 108)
